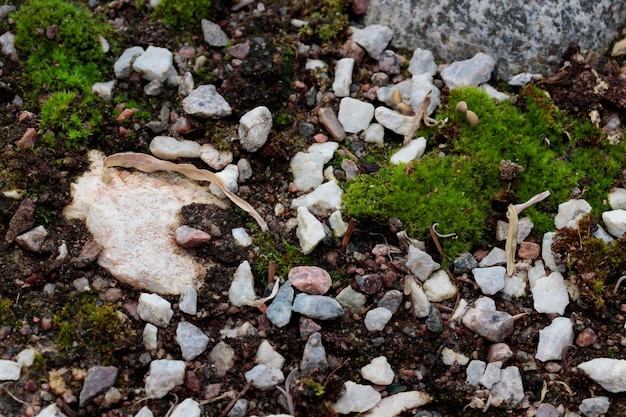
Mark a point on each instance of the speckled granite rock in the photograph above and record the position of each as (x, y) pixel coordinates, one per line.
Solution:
(520, 35)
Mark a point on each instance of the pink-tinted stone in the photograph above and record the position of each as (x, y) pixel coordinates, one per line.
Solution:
(499, 352)
(188, 237)
(529, 250)
(586, 338)
(28, 139)
(310, 279)
(239, 51)
(308, 327)
(125, 114)
(351, 49)
(360, 6)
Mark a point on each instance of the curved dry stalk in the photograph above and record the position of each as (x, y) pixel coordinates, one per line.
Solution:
(148, 163)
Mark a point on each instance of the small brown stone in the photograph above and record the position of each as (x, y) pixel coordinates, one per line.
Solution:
(28, 139)
(51, 31)
(188, 237)
(360, 6)
(350, 49)
(586, 338)
(308, 327)
(529, 250)
(329, 120)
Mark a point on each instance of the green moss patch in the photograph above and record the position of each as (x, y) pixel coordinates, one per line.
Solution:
(466, 190)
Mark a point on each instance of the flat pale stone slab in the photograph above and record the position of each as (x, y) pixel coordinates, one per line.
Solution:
(133, 218)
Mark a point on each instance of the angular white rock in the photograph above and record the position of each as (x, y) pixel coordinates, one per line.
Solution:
(104, 90)
(263, 377)
(266, 355)
(397, 403)
(413, 150)
(326, 150)
(547, 255)
(9, 370)
(496, 256)
(375, 133)
(378, 371)
(419, 301)
(343, 77)
(154, 63)
(204, 101)
(356, 399)
(154, 309)
(615, 222)
(242, 238)
(307, 170)
(187, 408)
(191, 339)
(337, 224)
(535, 273)
(470, 72)
(393, 120)
(493, 93)
(449, 357)
(388, 94)
(595, 406)
(123, 65)
(26, 358)
(229, 176)
(439, 287)
(554, 338)
(609, 373)
(310, 231)
(188, 302)
(570, 213)
(550, 294)
(164, 375)
(475, 371)
(33, 239)
(374, 39)
(491, 374)
(377, 318)
(355, 115)
(420, 263)
(322, 201)
(491, 279)
(222, 359)
(166, 147)
(254, 128)
(352, 300)
(315, 64)
(423, 85)
(214, 157)
(213, 33)
(509, 391)
(422, 62)
(150, 333)
(515, 286)
(617, 199)
(241, 289)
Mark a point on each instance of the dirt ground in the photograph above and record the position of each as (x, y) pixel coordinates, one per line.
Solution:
(272, 78)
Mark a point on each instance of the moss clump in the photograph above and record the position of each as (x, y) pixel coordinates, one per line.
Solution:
(464, 191)
(326, 18)
(85, 322)
(62, 66)
(282, 253)
(182, 13)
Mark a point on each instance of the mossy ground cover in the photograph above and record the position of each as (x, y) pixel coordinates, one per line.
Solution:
(464, 191)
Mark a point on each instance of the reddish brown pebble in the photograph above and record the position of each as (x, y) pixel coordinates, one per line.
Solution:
(188, 237)
(125, 114)
(239, 51)
(111, 295)
(586, 338)
(529, 250)
(46, 323)
(30, 386)
(320, 138)
(28, 139)
(351, 49)
(193, 383)
(308, 327)
(212, 391)
(360, 6)
(370, 283)
(310, 279)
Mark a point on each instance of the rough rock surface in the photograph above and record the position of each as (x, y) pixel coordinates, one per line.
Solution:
(521, 36)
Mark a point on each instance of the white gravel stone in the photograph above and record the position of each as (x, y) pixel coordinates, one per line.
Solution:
(570, 213)
(154, 309)
(356, 398)
(254, 128)
(474, 372)
(617, 199)
(315, 64)
(267, 355)
(343, 77)
(449, 357)
(9, 370)
(422, 62)
(609, 373)
(188, 302)
(164, 375)
(326, 150)
(154, 63)
(491, 374)
(491, 279)
(144, 412)
(547, 255)
(496, 256)
(395, 404)
(33, 239)
(167, 147)
(493, 93)
(51, 411)
(420, 263)
(242, 238)
(264, 377)
(413, 150)
(594, 407)
(470, 72)
(222, 359)
(419, 300)
(439, 287)
(124, 63)
(374, 39)
(515, 286)
(375, 133)
(602, 235)
(535, 273)
(191, 339)
(423, 85)
(215, 158)
(318, 307)
(241, 289)
(337, 224)
(352, 300)
(26, 357)
(322, 201)
(378, 371)
(186, 84)
(509, 391)
(377, 318)
(355, 115)
(213, 34)
(7, 44)
(310, 231)
(491, 324)
(187, 408)
(615, 222)
(104, 90)
(554, 338)
(387, 94)
(150, 334)
(307, 169)
(392, 120)
(314, 356)
(205, 102)
(245, 169)
(229, 176)
(550, 294)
